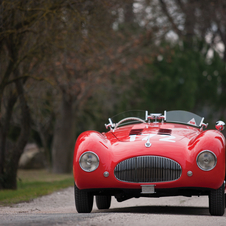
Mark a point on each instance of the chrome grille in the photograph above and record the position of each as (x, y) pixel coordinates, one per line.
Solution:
(148, 169)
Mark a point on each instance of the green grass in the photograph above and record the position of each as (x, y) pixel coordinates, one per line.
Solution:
(34, 183)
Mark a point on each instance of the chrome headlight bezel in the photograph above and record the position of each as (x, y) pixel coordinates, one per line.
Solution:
(89, 161)
(209, 165)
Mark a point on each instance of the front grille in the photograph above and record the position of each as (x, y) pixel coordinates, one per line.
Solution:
(148, 169)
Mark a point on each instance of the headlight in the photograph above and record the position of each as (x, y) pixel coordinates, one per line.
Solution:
(206, 160)
(89, 161)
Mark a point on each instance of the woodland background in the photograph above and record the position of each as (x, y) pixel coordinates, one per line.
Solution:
(68, 65)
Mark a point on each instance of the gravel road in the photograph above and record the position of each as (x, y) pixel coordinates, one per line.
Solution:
(58, 209)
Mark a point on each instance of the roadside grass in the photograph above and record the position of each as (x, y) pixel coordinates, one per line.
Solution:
(35, 183)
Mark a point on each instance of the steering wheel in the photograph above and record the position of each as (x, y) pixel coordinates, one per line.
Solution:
(128, 119)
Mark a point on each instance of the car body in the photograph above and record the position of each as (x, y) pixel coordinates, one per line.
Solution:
(150, 155)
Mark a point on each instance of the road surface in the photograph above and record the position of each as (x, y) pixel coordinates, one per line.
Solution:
(58, 209)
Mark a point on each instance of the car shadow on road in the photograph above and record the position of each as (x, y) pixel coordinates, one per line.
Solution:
(175, 210)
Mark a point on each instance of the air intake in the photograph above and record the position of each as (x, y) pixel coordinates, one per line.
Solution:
(148, 169)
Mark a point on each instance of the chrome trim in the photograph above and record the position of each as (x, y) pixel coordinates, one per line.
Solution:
(209, 152)
(127, 119)
(106, 174)
(189, 173)
(156, 116)
(148, 169)
(202, 122)
(110, 124)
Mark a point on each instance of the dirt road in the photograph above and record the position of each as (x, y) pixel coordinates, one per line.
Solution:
(58, 209)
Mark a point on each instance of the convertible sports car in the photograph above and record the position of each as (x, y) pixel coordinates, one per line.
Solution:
(150, 155)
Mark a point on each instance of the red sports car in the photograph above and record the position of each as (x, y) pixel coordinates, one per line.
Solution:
(150, 155)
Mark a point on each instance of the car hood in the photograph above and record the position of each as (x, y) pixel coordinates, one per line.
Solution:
(155, 132)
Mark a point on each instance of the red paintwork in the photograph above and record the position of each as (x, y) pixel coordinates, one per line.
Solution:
(114, 147)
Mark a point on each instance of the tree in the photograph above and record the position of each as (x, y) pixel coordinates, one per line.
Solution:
(85, 63)
(23, 38)
(180, 77)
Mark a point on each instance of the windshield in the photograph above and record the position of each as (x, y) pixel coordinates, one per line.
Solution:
(184, 117)
(129, 114)
(139, 116)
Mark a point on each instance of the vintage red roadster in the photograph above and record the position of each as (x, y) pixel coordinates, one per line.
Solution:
(150, 155)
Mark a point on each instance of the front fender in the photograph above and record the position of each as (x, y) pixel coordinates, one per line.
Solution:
(95, 142)
(214, 141)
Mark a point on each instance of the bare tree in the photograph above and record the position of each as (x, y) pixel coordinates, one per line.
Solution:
(190, 20)
(87, 62)
(23, 37)
(70, 47)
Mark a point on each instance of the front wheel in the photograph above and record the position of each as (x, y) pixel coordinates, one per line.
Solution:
(217, 201)
(225, 199)
(103, 202)
(83, 200)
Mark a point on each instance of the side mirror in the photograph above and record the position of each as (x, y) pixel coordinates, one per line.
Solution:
(220, 125)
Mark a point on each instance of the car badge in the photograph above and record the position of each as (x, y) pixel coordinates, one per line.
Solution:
(148, 144)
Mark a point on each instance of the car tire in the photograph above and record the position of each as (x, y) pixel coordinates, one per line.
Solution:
(225, 200)
(217, 202)
(103, 202)
(83, 200)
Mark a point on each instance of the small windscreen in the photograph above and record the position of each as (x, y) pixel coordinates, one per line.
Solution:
(184, 117)
(136, 113)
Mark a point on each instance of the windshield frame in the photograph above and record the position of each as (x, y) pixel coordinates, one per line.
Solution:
(184, 118)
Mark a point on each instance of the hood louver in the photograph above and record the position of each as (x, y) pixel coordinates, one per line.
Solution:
(164, 131)
(135, 132)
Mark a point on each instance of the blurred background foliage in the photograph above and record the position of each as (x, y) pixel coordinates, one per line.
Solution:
(66, 66)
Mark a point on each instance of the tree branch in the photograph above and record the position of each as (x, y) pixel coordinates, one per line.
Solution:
(181, 5)
(165, 10)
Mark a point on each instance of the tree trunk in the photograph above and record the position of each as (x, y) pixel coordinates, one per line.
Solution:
(129, 15)
(8, 174)
(5, 125)
(224, 53)
(64, 138)
(45, 133)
